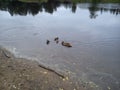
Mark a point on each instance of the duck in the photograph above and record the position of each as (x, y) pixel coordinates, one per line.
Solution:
(66, 44)
(47, 42)
(56, 39)
(57, 42)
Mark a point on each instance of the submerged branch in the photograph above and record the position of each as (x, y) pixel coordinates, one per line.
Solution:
(6, 54)
(49, 69)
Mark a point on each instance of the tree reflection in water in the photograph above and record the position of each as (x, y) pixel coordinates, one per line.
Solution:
(21, 8)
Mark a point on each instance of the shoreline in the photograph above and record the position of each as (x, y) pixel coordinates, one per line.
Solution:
(21, 74)
(24, 74)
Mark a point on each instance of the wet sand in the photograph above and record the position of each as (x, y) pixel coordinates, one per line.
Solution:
(21, 74)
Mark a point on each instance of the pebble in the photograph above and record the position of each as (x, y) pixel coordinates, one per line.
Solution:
(63, 79)
(66, 78)
(45, 72)
(108, 88)
(60, 88)
(14, 86)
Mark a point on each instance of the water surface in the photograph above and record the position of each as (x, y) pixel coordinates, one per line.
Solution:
(92, 29)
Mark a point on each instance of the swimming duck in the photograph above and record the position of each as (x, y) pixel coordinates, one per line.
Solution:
(66, 44)
(57, 42)
(56, 39)
(47, 42)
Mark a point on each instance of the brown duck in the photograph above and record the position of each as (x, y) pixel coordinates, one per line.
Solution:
(66, 44)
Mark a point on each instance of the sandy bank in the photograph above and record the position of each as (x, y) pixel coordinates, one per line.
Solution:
(21, 74)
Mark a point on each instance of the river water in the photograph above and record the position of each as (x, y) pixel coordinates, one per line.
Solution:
(93, 30)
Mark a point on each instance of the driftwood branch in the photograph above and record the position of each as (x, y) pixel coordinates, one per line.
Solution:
(5, 54)
(49, 69)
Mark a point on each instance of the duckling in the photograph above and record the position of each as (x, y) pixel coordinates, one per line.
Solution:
(57, 42)
(56, 39)
(66, 44)
(47, 42)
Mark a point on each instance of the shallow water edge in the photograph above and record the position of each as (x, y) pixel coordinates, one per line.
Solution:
(81, 83)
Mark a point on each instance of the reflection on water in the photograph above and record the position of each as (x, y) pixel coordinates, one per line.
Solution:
(36, 30)
(20, 8)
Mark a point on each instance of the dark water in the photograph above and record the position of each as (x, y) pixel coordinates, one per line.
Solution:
(93, 29)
